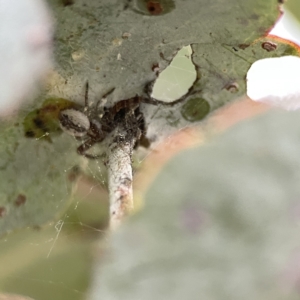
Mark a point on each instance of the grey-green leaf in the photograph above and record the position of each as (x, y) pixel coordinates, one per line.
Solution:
(220, 221)
(113, 44)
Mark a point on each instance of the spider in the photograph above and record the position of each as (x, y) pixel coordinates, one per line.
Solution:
(87, 124)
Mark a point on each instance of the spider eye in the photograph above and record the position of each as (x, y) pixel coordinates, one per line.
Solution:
(74, 122)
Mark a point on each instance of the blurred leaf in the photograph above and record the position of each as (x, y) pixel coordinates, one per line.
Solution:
(55, 261)
(26, 31)
(293, 6)
(219, 222)
(13, 297)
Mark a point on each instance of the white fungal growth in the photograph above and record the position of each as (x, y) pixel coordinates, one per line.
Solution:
(120, 178)
(275, 81)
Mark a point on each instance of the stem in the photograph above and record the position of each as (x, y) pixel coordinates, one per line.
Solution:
(120, 175)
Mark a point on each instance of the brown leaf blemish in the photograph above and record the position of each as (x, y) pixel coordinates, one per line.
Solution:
(269, 46)
(155, 67)
(154, 8)
(67, 2)
(2, 211)
(29, 134)
(232, 87)
(243, 46)
(20, 200)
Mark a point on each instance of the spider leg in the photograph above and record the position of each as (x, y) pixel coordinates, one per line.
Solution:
(86, 95)
(108, 93)
(149, 100)
(104, 96)
(81, 150)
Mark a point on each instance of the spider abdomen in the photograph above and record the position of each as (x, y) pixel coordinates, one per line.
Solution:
(74, 122)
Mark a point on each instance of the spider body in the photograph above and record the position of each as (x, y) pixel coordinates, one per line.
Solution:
(91, 127)
(74, 122)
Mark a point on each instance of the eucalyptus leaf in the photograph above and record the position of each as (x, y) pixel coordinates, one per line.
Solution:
(219, 222)
(115, 44)
(35, 184)
(55, 261)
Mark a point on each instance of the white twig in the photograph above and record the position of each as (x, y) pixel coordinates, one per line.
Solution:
(120, 176)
